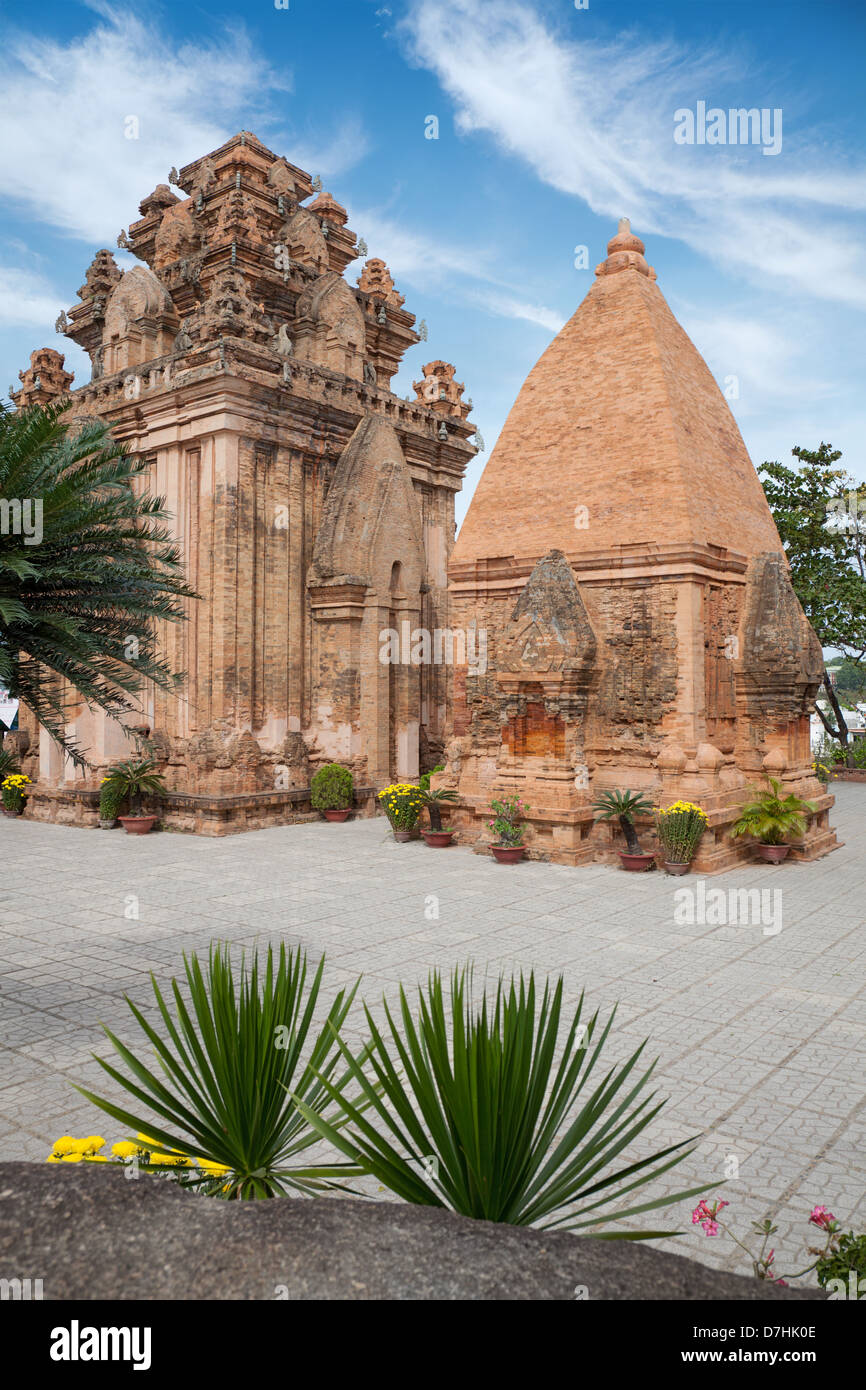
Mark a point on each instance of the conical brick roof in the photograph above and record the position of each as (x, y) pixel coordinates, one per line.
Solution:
(619, 437)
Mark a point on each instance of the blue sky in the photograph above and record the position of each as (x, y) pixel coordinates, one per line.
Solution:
(553, 122)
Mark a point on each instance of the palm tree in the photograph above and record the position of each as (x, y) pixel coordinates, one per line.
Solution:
(82, 591)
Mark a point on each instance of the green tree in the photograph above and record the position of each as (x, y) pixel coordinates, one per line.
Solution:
(820, 512)
(87, 569)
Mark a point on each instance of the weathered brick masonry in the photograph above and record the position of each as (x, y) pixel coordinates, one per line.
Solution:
(641, 628)
(314, 506)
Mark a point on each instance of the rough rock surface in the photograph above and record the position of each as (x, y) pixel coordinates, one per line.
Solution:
(91, 1233)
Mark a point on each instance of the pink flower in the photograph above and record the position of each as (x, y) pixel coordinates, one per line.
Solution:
(821, 1217)
(700, 1212)
(711, 1228)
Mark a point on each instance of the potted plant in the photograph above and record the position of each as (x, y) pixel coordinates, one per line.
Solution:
(331, 791)
(132, 781)
(507, 825)
(680, 827)
(110, 801)
(13, 793)
(438, 836)
(402, 804)
(623, 807)
(772, 819)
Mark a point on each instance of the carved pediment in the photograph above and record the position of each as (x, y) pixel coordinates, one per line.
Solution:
(549, 631)
(781, 661)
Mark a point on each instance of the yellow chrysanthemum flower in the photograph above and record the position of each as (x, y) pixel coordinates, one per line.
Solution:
(66, 1145)
(125, 1149)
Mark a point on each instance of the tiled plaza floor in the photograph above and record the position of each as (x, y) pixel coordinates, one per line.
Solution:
(761, 1033)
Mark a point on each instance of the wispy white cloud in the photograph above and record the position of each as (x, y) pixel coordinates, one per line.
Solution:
(505, 307)
(596, 120)
(67, 157)
(64, 107)
(27, 298)
(331, 155)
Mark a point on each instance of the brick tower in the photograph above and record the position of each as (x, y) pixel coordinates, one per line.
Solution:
(314, 507)
(641, 629)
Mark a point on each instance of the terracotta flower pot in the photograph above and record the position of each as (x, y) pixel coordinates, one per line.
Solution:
(403, 836)
(138, 825)
(773, 854)
(337, 815)
(438, 839)
(636, 863)
(19, 810)
(677, 867)
(507, 854)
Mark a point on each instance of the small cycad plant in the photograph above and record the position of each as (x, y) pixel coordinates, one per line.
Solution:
(502, 1111)
(623, 807)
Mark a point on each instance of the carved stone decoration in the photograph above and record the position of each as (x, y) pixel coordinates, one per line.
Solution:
(177, 238)
(100, 278)
(550, 630)
(204, 176)
(140, 321)
(303, 237)
(356, 542)
(44, 380)
(375, 280)
(237, 219)
(329, 327)
(781, 662)
(229, 312)
(282, 344)
(328, 210)
(440, 391)
(157, 201)
(281, 178)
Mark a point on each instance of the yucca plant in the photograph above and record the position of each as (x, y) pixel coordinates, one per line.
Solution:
(232, 1062)
(771, 818)
(81, 598)
(476, 1114)
(623, 807)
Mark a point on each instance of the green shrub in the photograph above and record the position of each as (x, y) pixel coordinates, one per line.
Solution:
(332, 788)
(772, 818)
(494, 1112)
(849, 1254)
(111, 798)
(424, 779)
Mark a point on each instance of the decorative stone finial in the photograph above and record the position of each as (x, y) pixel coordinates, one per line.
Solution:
(439, 391)
(625, 251)
(44, 380)
(376, 281)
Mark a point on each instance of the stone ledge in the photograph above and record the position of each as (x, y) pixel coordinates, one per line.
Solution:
(90, 1233)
